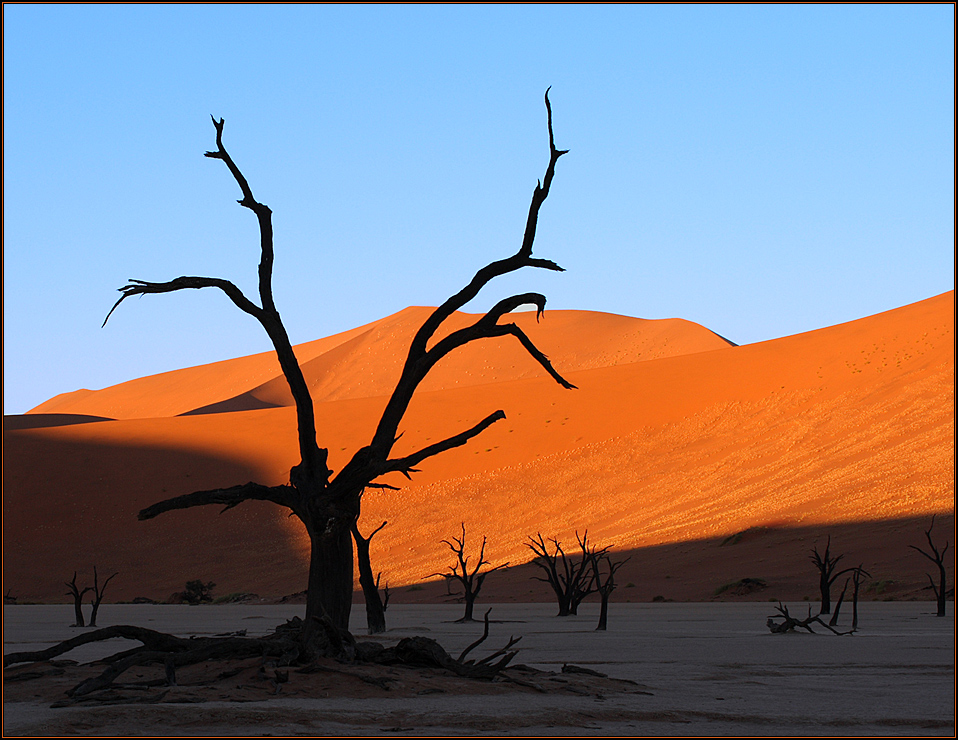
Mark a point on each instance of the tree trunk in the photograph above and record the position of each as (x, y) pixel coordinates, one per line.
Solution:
(825, 587)
(942, 588)
(603, 611)
(470, 606)
(375, 613)
(330, 587)
(838, 606)
(78, 611)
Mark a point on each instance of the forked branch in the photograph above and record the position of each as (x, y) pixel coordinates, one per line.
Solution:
(421, 359)
(313, 466)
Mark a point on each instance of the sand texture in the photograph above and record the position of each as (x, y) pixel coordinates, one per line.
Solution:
(703, 462)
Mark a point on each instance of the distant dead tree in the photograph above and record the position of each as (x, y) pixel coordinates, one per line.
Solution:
(604, 584)
(571, 579)
(856, 577)
(826, 564)
(375, 606)
(98, 592)
(327, 502)
(77, 595)
(942, 592)
(471, 582)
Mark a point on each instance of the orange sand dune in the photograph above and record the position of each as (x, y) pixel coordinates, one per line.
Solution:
(847, 430)
(367, 361)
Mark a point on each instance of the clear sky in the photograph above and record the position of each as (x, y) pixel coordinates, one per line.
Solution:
(761, 170)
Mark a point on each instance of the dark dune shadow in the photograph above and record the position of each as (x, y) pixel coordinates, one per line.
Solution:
(39, 421)
(82, 511)
(242, 402)
(777, 557)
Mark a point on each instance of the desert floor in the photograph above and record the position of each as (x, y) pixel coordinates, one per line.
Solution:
(700, 669)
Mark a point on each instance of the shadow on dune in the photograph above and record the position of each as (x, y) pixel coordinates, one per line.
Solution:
(242, 402)
(81, 511)
(39, 421)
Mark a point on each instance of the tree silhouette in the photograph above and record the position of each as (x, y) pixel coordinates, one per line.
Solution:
(471, 582)
(328, 502)
(857, 575)
(375, 606)
(98, 592)
(571, 579)
(77, 595)
(604, 583)
(826, 564)
(942, 592)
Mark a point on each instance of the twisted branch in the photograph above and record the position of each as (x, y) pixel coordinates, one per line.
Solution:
(228, 497)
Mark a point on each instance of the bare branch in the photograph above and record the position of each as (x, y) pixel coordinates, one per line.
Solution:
(420, 361)
(142, 287)
(477, 643)
(406, 465)
(263, 215)
(486, 328)
(230, 497)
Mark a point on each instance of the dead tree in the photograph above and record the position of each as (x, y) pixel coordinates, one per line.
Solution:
(942, 592)
(605, 586)
(856, 578)
(827, 575)
(385, 590)
(328, 502)
(77, 595)
(571, 582)
(471, 582)
(375, 606)
(98, 592)
(790, 624)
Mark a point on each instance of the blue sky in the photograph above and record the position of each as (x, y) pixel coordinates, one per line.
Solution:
(761, 170)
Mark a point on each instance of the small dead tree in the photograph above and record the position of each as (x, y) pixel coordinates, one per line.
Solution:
(942, 592)
(604, 584)
(77, 595)
(826, 564)
(856, 578)
(375, 606)
(328, 502)
(471, 582)
(98, 592)
(571, 579)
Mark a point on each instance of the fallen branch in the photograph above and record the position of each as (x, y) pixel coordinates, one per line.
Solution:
(790, 624)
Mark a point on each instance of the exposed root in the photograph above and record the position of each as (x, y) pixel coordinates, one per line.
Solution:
(295, 643)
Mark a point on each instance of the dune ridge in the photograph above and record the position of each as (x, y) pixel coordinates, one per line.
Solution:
(366, 362)
(846, 428)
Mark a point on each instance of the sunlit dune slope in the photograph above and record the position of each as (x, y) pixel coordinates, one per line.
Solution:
(845, 430)
(367, 361)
